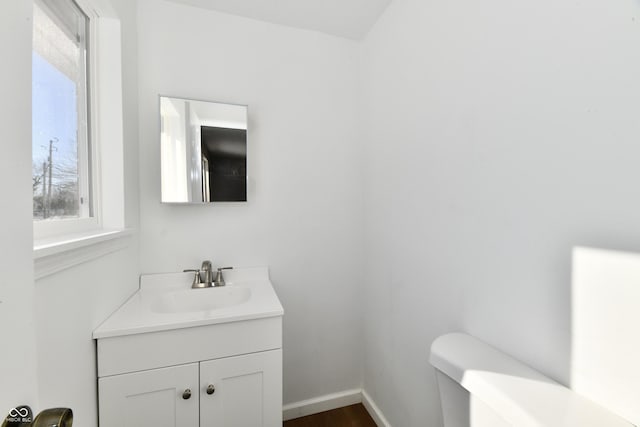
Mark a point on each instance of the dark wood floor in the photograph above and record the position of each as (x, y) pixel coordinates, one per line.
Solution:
(349, 416)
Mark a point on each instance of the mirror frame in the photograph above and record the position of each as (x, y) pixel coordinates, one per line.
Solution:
(190, 180)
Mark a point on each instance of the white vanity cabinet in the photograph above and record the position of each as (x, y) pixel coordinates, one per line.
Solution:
(150, 398)
(245, 390)
(239, 391)
(220, 367)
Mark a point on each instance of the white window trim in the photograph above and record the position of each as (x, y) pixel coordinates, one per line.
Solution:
(80, 240)
(59, 254)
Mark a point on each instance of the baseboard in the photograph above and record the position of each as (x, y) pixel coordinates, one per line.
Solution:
(334, 401)
(321, 404)
(374, 411)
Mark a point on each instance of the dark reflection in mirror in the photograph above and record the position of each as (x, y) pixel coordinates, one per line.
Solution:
(224, 164)
(203, 151)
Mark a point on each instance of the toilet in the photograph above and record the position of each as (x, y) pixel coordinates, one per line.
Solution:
(482, 387)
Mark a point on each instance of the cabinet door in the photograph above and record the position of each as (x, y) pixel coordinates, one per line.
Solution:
(154, 398)
(248, 391)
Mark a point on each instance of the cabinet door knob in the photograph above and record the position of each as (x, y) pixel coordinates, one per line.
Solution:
(211, 389)
(186, 394)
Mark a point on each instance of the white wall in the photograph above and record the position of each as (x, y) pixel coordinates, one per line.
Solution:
(498, 135)
(303, 217)
(17, 367)
(69, 306)
(73, 302)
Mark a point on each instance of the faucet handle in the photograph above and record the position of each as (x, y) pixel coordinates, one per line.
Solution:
(196, 278)
(219, 279)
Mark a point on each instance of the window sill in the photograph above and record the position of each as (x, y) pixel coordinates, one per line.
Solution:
(56, 254)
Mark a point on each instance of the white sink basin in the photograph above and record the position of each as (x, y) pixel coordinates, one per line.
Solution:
(166, 302)
(207, 299)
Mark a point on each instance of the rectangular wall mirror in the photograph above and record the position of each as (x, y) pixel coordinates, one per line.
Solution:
(203, 151)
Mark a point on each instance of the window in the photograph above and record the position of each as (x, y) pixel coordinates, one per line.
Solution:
(77, 141)
(60, 104)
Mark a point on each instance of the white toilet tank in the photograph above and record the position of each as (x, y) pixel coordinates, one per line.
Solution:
(483, 387)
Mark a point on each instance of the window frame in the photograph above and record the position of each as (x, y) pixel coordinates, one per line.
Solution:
(87, 150)
(62, 243)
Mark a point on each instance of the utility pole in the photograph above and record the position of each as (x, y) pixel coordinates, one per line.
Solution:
(44, 190)
(51, 141)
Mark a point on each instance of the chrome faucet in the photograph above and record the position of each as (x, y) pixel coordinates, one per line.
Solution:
(203, 277)
(206, 274)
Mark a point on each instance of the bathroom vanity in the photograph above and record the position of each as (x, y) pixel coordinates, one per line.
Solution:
(176, 356)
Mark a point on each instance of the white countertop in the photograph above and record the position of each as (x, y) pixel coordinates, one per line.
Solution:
(137, 316)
